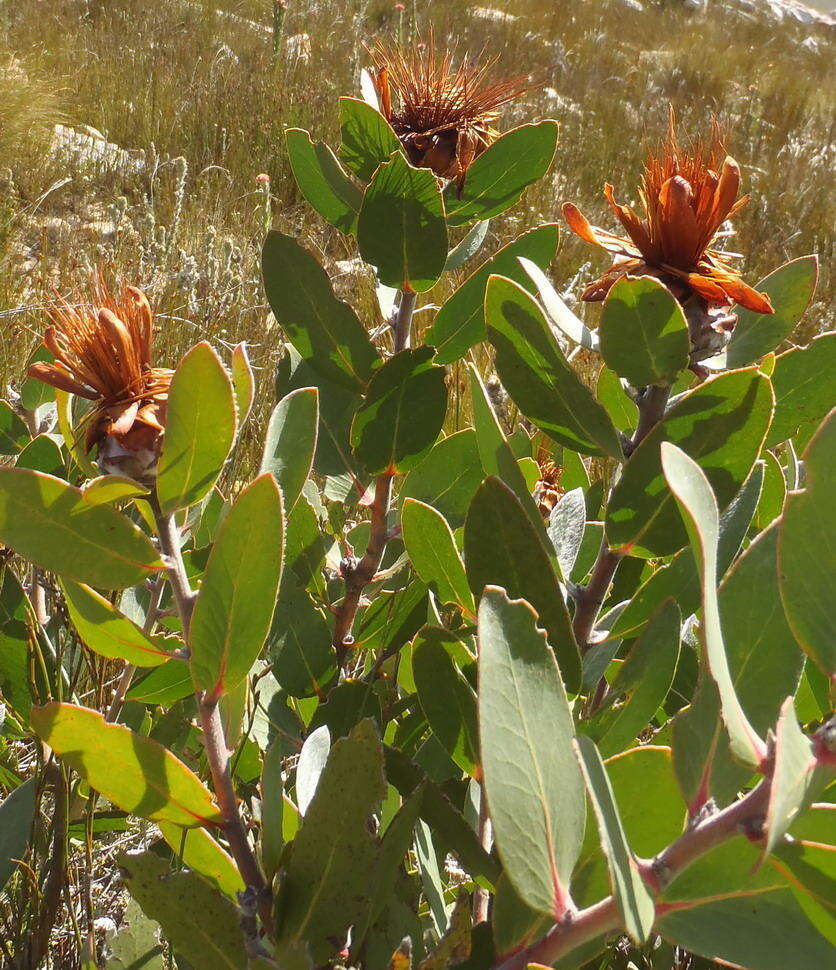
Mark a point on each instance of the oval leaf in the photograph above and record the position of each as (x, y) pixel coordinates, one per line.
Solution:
(401, 228)
(134, 772)
(290, 443)
(535, 373)
(533, 783)
(235, 604)
(643, 332)
(367, 137)
(433, 552)
(48, 522)
(200, 429)
(322, 180)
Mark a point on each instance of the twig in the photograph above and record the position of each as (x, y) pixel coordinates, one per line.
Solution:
(745, 815)
(403, 321)
(481, 896)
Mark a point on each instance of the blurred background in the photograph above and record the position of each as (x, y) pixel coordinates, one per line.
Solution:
(132, 133)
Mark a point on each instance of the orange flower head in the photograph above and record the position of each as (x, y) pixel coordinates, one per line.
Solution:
(687, 194)
(102, 350)
(442, 113)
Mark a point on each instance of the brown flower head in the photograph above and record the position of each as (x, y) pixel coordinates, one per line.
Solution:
(547, 490)
(686, 194)
(442, 114)
(102, 350)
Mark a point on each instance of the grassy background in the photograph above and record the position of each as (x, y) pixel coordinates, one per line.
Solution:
(199, 96)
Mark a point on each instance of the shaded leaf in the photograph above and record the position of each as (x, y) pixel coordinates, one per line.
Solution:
(448, 476)
(643, 333)
(137, 945)
(401, 228)
(460, 323)
(402, 413)
(454, 946)
(325, 331)
(17, 813)
(367, 137)
(803, 388)
(535, 373)
(14, 434)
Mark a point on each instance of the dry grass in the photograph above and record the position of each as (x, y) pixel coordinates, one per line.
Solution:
(202, 97)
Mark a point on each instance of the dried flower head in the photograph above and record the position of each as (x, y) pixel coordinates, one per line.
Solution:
(442, 114)
(547, 490)
(687, 194)
(102, 349)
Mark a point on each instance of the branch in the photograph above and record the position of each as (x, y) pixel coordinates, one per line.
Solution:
(359, 573)
(744, 816)
(403, 321)
(591, 597)
(217, 752)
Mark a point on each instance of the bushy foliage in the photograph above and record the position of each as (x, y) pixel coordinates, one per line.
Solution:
(511, 693)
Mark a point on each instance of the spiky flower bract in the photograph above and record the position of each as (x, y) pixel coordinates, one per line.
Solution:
(687, 193)
(102, 345)
(442, 112)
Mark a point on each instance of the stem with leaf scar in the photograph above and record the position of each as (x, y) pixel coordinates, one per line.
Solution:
(214, 740)
(357, 574)
(744, 817)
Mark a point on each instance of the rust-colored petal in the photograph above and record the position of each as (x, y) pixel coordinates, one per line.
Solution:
(680, 232)
(726, 192)
(145, 322)
(744, 294)
(123, 417)
(634, 227)
(598, 289)
(57, 376)
(582, 227)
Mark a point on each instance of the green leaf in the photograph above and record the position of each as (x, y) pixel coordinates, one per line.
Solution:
(198, 921)
(567, 524)
(698, 507)
(137, 945)
(641, 685)
(432, 549)
(791, 288)
(367, 137)
(502, 549)
(327, 884)
(621, 409)
(110, 633)
(322, 180)
(443, 817)
(559, 315)
(531, 777)
(290, 442)
(325, 331)
(300, 644)
(652, 816)
(447, 699)
(447, 478)
(721, 425)
(792, 778)
(200, 429)
(679, 580)
(468, 246)
(48, 522)
(134, 772)
(200, 852)
(234, 606)
(243, 381)
(495, 453)
(14, 434)
(496, 180)
(312, 759)
(643, 332)
(110, 488)
(631, 894)
(337, 405)
(460, 323)
(454, 947)
(774, 491)
(806, 568)
(803, 388)
(514, 923)
(402, 414)
(764, 659)
(535, 373)
(17, 813)
(165, 684)
(401, 228)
